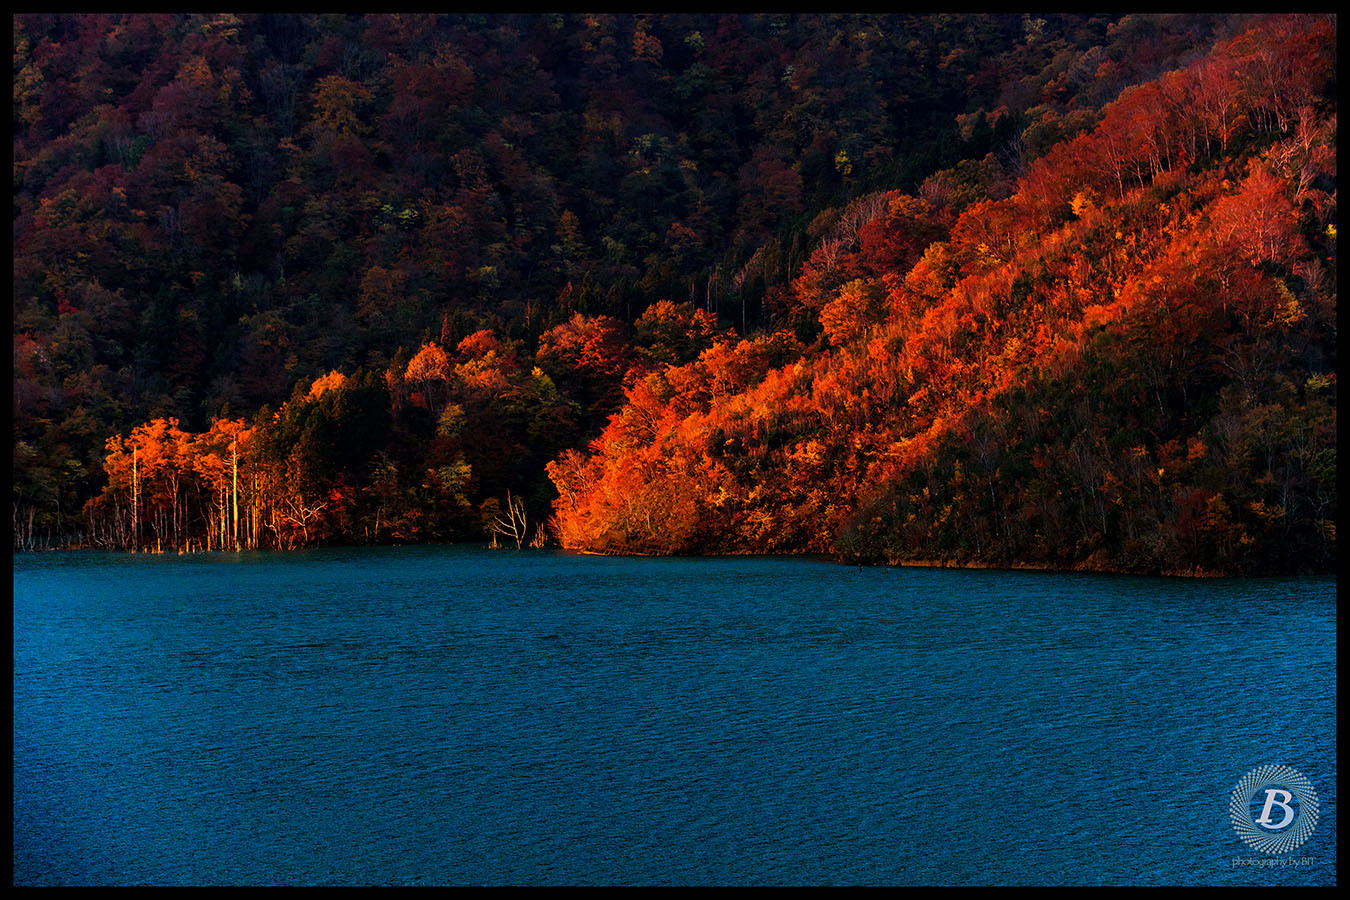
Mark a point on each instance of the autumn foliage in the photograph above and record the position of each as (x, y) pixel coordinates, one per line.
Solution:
(1128, 363)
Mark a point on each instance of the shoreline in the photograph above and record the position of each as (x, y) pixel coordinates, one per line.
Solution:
(1083, 567)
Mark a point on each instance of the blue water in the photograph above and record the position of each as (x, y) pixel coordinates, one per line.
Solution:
(460, 716)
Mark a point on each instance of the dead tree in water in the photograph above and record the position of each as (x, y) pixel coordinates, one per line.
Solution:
(512, 523)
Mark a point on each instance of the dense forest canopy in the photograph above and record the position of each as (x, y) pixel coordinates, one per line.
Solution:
(984, 289)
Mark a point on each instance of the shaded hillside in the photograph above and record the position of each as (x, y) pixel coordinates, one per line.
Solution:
(291, 279)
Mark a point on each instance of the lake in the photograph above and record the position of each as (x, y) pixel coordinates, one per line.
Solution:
(452, 715)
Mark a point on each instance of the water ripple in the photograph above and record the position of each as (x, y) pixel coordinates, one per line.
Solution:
(453, 716)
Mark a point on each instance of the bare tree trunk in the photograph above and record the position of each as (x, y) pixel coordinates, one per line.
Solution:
(513, 525)
(234, 466)
(135, 504)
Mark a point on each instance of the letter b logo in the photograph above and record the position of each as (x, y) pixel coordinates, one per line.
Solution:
(1276, 797)
(1288, 809)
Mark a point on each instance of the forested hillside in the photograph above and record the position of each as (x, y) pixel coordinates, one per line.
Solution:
(981, 289)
